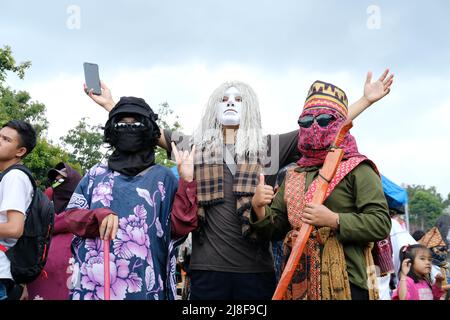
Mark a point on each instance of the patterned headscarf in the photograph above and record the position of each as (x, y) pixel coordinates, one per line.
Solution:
(433, 240)
(313, 142)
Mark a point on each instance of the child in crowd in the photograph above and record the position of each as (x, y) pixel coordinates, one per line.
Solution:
(414, 274)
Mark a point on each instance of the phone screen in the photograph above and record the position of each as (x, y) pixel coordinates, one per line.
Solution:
(92, 78)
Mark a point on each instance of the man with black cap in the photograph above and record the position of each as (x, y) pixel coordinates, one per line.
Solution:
(136, 204)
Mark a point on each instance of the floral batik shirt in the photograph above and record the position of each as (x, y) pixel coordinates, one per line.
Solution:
(142, 256)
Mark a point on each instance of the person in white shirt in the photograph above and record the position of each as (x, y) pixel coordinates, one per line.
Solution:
(17, 140)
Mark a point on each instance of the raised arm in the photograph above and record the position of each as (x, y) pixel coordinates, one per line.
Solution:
(104, 100)
(373, 91)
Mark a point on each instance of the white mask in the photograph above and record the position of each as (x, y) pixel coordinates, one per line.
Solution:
(229, 110)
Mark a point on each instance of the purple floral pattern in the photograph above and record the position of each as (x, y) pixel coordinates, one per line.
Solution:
(92, 275)
(162, 190)
(146, 195)
(97, 170)
(132, 238)
(136, 270)
(103, 193)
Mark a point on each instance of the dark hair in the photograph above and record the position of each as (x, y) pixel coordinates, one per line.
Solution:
(410, 252)
(418, 234)
(27, 134)
(395, 211)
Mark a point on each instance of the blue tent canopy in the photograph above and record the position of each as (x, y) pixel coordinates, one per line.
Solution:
(396, 196)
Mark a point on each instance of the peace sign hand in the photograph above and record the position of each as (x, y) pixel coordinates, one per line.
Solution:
(185, 163)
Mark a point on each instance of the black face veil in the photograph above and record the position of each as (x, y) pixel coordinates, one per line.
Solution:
(134, 144)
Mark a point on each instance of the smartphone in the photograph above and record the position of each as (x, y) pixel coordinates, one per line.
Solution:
(92, 78)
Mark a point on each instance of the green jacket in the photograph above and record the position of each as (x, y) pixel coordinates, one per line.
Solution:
(363, 216)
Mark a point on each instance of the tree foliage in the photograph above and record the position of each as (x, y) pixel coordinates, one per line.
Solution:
(7, 63)
(164, 114)
(85, 142)
(425, 206)
(46, 156)
(18, 105)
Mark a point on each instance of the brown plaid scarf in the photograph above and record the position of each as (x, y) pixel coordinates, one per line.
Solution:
(210, 192)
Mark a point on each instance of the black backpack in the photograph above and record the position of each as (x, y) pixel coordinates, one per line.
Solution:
(29, 255)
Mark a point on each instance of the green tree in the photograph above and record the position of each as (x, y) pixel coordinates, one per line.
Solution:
(447, 205)
(46, 156)
(412, 189)
(7, 63)
(425, 206)
(85, 142)
(164, 122)
(18, 105)
(447, 201)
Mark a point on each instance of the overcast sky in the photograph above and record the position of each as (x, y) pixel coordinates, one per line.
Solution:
(179, 51)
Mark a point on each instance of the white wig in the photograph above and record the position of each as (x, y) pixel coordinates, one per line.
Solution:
(250, 142)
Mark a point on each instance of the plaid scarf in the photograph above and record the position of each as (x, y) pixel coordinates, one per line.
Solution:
(210, 192)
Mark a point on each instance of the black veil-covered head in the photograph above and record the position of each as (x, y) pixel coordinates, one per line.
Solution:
(148, 134)
(134, 142)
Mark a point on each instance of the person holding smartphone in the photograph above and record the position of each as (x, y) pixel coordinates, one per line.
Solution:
(136, 204)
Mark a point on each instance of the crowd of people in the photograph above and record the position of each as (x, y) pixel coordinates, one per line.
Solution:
(224, 227)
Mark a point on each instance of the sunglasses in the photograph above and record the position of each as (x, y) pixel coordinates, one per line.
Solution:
(132, 125)
(322, 120)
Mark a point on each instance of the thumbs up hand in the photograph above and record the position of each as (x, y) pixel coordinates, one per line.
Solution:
(263, 196)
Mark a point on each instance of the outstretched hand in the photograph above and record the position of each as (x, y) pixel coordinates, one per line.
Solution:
(105, 100)
(374, 91)
(185, 163)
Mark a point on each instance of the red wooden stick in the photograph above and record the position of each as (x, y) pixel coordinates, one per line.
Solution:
(107, 286)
